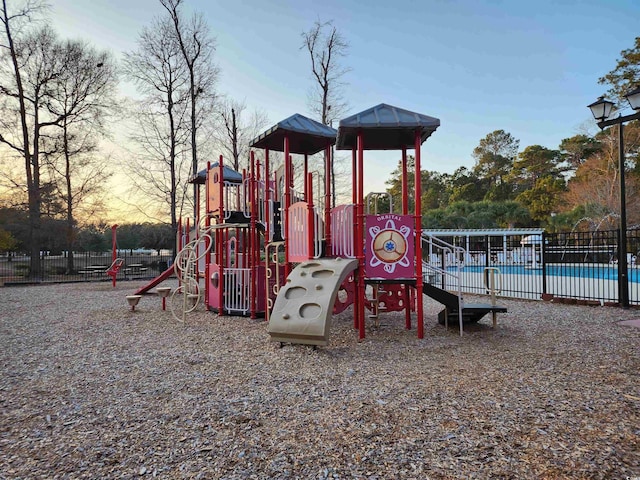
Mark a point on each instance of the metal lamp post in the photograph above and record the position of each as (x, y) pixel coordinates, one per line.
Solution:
(602, 110)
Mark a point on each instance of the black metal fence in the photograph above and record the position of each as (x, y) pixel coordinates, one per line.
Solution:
(577, 267)
(86, 266)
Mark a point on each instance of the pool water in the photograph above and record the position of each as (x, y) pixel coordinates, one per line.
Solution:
(600, 271)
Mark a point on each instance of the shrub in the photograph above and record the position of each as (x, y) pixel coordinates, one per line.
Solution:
(22, 269)
(56, 270)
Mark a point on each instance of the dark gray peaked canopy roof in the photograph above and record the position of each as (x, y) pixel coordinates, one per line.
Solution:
(306, 136)
(228, 173)
(385, 127)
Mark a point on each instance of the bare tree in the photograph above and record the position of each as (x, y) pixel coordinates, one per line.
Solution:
(29, 63)
(197, 48)
(326, 47)
(159, 171)
(158, 70)
(82, 95)
(235, 128)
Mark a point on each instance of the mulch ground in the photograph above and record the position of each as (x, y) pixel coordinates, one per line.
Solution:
(90, 389)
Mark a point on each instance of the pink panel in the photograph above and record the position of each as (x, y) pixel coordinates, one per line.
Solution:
(214, 284)
(261, 288)
(389, 246)
(342, 231)
(297, 232)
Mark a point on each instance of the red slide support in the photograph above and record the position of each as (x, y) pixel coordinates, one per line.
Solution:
(156, 281)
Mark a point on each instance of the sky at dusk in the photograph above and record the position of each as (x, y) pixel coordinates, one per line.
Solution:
(529, 68)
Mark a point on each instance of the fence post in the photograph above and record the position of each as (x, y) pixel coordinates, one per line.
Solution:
(543, 252)
(487, 260)
(623, 281)
(43, 272)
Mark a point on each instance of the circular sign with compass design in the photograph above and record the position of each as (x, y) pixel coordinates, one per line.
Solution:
(389, 246)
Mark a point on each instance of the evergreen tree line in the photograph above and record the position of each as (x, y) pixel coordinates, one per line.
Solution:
(573, 186)
(14, 235)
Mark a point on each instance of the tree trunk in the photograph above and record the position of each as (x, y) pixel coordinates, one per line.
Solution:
(31, 161)
(234, 142)
(69, 200)
(35, 201)
(194, 149)
(172, 161)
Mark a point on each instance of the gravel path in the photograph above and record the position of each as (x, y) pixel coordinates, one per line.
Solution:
(89, 389)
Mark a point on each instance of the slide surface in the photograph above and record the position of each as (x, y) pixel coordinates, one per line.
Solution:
(303, 307)
(156, 281)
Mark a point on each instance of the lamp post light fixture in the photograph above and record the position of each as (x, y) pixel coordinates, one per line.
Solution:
(602, 110)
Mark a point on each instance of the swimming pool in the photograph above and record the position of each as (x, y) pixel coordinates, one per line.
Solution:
(588, 270)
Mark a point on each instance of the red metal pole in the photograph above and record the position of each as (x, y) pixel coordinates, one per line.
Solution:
(114, 252)
(360, 235)
(287, 200)
(188, 235)
(253, 240)
(267, 197)
(327, 199)
(354, 201)
(354, 169)
(418, 217)
(198, 206)
(405, 183)
(311, 217)
(178, 242)
(306, 180)
(196, 227)
(220, 241)
(244, 191)
(207, 223)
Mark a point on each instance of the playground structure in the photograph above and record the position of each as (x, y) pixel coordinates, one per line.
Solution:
(271, 245)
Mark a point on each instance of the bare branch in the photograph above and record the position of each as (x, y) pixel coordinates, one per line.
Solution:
(326, 46)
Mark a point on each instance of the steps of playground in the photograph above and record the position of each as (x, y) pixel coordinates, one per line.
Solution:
(471, 312)
(442, 296)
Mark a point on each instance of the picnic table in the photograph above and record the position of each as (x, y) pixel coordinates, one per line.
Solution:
(94, 270)
(135, 269)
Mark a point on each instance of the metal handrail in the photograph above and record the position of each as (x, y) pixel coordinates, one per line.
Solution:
(490, 275)
(375, 196)
(459, 255)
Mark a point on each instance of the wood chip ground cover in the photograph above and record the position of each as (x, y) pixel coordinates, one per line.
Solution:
(90, 389)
